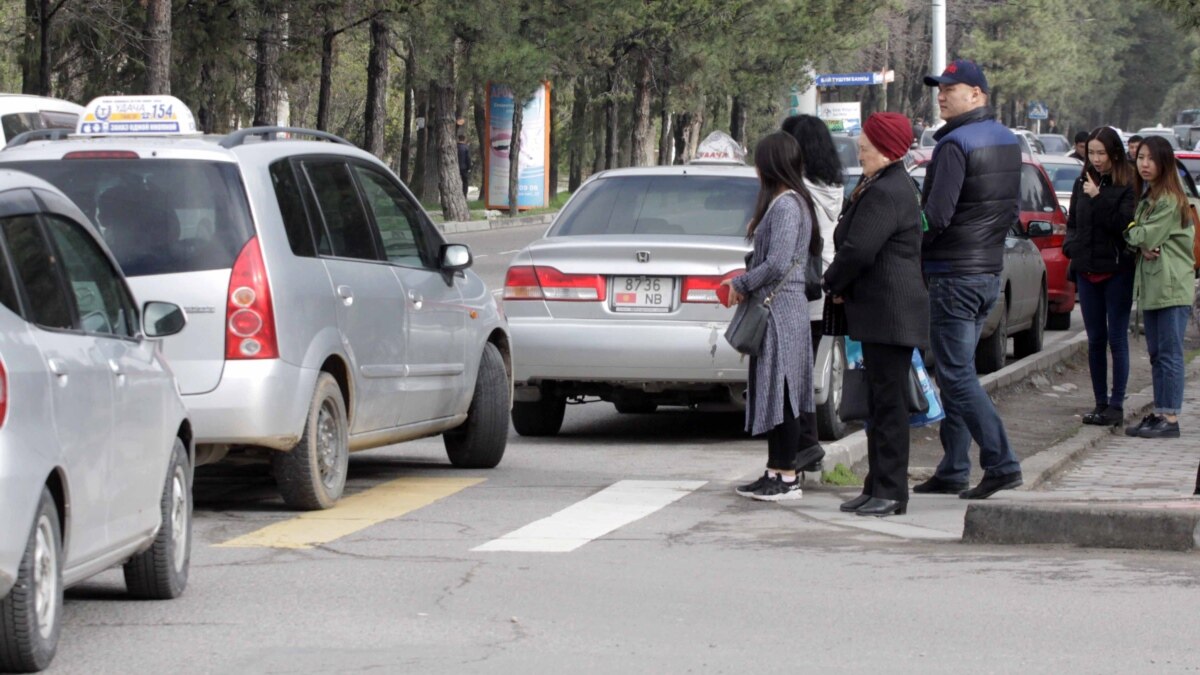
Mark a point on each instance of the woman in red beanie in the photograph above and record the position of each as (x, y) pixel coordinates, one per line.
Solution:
(876, 274)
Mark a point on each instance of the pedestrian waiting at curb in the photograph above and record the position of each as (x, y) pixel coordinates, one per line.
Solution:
(780, 387)
(1102, 204)
(1163, 234)
(822, 174)
(1080, 151)
(970, 203)
(876, 275)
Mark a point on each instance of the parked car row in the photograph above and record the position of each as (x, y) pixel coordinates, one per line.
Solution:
(326, 315)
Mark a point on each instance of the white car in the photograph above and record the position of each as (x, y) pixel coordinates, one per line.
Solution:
(1062, 172)
(21, 113)
(95, 446)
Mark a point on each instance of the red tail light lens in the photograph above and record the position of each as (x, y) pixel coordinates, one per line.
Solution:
(704, 289)
(249, 315)
(3, 394)
(101, 154)
(529, 282)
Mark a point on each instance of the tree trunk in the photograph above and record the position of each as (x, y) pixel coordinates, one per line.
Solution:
(266, 72)
(325, 92)
(377, 81)
(626, 139)
(454, 203)
(578, 134)
(642, 144)
(417, 185)
(612, 126)
(680, 136)
(665, 133)
(406, 135)
(481, 135)
(737, 120)
(35, 59)
(598, 130)
(692, 131)
(158, 47)
(430, 174)
(555, 143)
(514, 156)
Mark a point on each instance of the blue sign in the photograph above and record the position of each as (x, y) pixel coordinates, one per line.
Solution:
(1038, 111)
(849, 80)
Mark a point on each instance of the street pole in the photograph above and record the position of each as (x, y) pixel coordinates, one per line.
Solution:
(937, 53)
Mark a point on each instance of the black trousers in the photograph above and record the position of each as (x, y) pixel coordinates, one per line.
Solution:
(888, 368)
(785, 441)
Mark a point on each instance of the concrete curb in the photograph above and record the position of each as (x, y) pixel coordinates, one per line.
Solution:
(853, 448)
(1161, 526)
(498, 223)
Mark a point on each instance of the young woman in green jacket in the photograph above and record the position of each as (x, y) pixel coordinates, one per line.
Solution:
(1162, 233)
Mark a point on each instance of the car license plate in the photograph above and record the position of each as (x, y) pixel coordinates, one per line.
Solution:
(643, 294)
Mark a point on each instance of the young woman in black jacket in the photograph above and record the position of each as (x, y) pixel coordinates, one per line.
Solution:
(1102, 205)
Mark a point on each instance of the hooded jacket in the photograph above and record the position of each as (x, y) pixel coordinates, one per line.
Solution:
(1166, 281)
(827, 203)
(970, 195)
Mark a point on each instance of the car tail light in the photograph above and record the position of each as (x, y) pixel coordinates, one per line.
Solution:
(249, 316)
(3, 394)
(530, 282)
(1058, 227)
(704, 289)
(101, 154)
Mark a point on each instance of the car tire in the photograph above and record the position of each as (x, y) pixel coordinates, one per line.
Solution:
(830, 426)
(161, 571)
(539, 418)
(1029, 342)
(312, 475)
(31, 614)
(992, 351)
(636, 408)
(1058, 321)
(479, 442)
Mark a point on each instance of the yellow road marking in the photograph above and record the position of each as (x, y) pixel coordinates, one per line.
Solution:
(356, 512)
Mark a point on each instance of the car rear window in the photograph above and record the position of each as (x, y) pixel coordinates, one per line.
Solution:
(682, 205)
(1063, 175)
(158, 216)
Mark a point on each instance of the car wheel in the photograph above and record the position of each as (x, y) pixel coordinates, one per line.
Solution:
(993, 349)
(480, 441)
(539, 418)
(830, 426)
(1058, 321)
(161, 572)
(636, 408)
(312, 475)
(31, 615)
(1029, 342)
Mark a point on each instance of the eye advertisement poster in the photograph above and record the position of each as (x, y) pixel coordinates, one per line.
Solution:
(533, 185)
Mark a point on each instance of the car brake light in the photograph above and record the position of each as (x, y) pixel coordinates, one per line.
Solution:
(101, 154)
(1058, 228)
(704, 289)
(530, 282)
(3, 394)
(249, 316)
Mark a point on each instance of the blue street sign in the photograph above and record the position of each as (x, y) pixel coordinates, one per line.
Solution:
(1038, 111)
(849, 80)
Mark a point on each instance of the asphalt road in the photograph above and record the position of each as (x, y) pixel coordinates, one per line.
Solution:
(618, 546)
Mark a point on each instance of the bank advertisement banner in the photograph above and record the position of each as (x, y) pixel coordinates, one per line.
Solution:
(533, 187)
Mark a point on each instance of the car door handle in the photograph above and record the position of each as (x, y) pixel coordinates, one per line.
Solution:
(416, 299)
(57, 366)
(346, 294)
(117, 370)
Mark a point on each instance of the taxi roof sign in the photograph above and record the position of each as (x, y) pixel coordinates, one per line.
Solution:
(719, 148)
(136, 116)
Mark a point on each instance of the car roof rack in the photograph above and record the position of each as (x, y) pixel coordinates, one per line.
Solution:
(239, 137)
(39, 135)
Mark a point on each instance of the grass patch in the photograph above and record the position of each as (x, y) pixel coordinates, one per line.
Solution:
(841, 476)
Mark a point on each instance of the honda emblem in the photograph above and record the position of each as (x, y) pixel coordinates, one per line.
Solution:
(643, 256)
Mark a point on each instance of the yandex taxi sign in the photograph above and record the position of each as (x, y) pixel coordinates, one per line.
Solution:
(136, 115)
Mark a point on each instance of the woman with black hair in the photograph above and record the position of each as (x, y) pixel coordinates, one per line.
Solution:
(780, 387)
(1102, 204)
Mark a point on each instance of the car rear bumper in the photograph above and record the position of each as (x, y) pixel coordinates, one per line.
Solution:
(261, 403)
(623, 351)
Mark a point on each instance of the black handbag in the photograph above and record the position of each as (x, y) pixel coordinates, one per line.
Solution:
(748, 328)
(815, 266)
(833, 318)
(856, 395)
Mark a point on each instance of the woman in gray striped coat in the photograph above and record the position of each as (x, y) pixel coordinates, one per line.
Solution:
(780, 387)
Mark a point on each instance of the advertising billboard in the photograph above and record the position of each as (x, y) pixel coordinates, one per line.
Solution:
(533, 183)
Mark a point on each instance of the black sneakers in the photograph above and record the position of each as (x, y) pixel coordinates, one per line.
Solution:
(749, 489)
(776, 490)
(1160, 429)
(1147, 421)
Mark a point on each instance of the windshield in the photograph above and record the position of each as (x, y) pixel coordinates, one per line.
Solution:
(1063, 176)
(18, 123)
(1169, 135)
(647, 204)
(1055, 144)
(157, 216)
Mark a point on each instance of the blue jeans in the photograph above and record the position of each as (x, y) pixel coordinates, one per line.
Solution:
(1164, 341)
(1106, 306)
(959, 306)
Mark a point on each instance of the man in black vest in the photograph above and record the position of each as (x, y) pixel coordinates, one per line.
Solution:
(970, 202)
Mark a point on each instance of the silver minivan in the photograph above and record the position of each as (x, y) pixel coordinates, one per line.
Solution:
(95, 445)
(327, 313)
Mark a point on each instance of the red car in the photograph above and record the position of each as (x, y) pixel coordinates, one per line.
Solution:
(1040, 205)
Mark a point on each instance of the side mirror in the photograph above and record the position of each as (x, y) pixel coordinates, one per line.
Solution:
(1040, 228)
(162, 319)
(455, 257)
(1063, 209)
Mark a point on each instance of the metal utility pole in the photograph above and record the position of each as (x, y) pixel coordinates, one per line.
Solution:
(937, 53)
